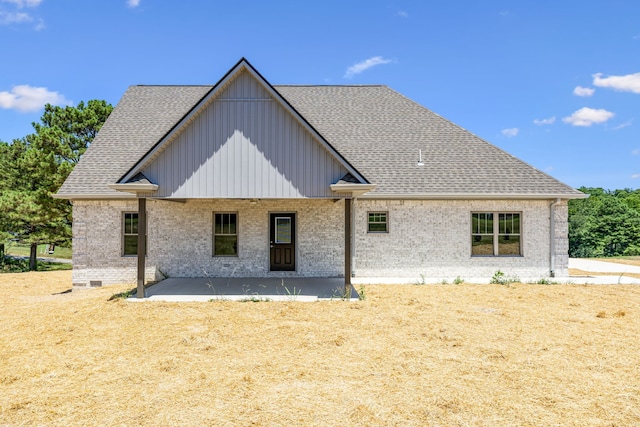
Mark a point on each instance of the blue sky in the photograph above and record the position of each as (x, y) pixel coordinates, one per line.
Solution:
(555, 83)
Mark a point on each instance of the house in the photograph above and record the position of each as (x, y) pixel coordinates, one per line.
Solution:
(249, 179)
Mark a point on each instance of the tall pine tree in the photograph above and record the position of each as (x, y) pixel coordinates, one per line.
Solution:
(35, 167)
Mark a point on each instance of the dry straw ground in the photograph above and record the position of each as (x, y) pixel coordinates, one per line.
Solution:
(450, 355)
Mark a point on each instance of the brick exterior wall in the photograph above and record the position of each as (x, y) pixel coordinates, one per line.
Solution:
(180, 240)
(430, 238)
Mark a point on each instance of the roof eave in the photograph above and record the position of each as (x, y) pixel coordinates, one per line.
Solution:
(356, 190)
(135, 188)
(93, 196)
(474, 196)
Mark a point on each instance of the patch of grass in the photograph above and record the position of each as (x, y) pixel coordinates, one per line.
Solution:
(18, 265)
(500, 278)
(21, 249)
(255, 298)
(362, 293)
(292, 294)
(123, 295)
(422, 281)
(53, 266)
(544, 281)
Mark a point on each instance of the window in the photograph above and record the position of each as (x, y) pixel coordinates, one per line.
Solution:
(225, 234)
(130, 233)
(378, 222)
(283, 229)
(495, 238)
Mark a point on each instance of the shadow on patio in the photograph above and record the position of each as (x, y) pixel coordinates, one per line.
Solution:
(254, 288)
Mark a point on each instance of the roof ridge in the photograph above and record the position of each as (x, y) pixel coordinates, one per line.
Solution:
(152, 85)
(323, 85)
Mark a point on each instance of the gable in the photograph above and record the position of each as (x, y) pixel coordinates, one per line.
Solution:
(139, 120)
(243, 144)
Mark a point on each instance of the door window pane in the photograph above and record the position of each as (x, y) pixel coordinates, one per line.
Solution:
(283, 230)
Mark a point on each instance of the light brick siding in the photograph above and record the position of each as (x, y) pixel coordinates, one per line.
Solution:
(562, 239)
(180, 239)
(433, 238)
(430, 238)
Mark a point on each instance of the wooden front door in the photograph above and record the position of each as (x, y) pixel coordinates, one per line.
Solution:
(282, 237)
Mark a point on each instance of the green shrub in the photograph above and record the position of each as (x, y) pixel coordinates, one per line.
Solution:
(500, 278)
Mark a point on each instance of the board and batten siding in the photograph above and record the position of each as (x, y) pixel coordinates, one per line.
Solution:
(244, 144)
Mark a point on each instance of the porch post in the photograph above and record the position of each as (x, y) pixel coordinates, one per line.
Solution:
(347, 248)
(142, 244)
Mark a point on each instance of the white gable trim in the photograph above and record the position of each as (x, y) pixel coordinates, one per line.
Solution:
(134, 187)
(242, 65)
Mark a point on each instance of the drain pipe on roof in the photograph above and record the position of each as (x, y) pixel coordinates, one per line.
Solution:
(552, 237)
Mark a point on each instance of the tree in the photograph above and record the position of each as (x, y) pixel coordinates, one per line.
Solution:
(605, 224)
(37, 165)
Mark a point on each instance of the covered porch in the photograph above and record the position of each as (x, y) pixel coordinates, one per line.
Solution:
(302, 289)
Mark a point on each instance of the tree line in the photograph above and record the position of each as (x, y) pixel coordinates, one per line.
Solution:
(33, 169)
(605, 224)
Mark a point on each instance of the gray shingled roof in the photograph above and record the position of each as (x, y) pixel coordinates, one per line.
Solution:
(141, 118)
(378, 130)
(381, 132)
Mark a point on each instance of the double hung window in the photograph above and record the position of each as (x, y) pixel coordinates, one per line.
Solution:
(378, 222)
(130, 233)
(225, 234)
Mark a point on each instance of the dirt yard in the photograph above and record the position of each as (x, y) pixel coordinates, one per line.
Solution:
(449, 355)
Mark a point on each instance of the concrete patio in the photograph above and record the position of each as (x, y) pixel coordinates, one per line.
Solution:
(240, 289)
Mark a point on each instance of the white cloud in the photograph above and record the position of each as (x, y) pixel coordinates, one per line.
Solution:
(583, 91)
(17, 17)
(403, 14)
(7, 18)
(549, 121)
(588, 116)
(133, 3)
(25, 98)
(511, 132)
(364, 65)
(24, 3)
(627, 83)
(624, 125)
(636, 151)
(635, 175)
